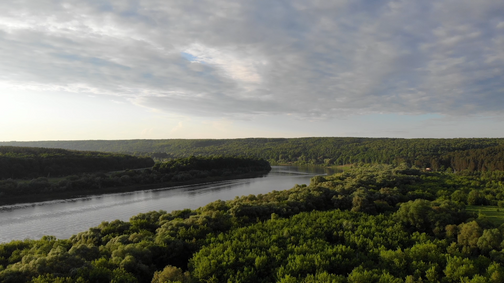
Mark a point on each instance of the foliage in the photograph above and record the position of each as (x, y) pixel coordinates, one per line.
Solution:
(465, 154)
(177, 170)
(31, 162)
(369, 224)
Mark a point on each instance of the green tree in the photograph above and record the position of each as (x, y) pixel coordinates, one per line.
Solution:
(416, 214)
(468, 236)
(171, 274)
(490, 240)
(475, 198)
(457, 268)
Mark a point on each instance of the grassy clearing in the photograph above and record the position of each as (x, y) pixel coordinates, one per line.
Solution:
(345, 167)
(492, 213)
(342, 167)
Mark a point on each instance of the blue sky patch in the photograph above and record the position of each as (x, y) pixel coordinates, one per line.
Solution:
(189, 57)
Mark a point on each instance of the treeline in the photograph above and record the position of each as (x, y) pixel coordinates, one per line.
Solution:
(220, 163)
(32, 162)
(485, 159)
(478, 154)
(370, 224)
(165, 174)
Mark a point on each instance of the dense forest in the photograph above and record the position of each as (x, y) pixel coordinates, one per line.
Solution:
(477, 154)
(374, 223)
(32, 162)
(164, 174)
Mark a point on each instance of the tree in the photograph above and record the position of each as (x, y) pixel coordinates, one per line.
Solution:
(490, 240)
(416, 214)
(171, 274)
(458, 268)
(468, 236)
(475, 198)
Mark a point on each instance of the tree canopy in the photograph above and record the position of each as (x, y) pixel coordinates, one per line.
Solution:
(476, 154)
(369, 224)
(33, 162)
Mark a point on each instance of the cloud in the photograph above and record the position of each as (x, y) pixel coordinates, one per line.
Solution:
(177, 128)
(239, 59)
(235, 65)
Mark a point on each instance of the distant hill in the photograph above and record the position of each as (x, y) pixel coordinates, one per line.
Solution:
(31, 162)
(473, 154)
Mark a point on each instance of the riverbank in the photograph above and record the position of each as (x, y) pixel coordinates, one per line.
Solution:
(60, 195)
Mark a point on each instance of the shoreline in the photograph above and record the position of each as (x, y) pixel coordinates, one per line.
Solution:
(36, 198)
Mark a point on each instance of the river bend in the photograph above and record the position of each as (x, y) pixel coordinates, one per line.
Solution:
(63, 218)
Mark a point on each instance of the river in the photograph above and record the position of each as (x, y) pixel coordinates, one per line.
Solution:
(63, 218)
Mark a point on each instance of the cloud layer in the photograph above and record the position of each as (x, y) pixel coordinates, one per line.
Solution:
(313, 59)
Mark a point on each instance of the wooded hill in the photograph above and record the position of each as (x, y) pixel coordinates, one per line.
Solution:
(370, 224)
(32, 162)
(481, 154)
(173, 172)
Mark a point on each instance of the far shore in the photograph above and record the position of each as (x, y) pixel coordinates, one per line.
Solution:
(61, 195)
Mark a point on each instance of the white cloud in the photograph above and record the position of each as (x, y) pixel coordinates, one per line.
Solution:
(312, 59)
(237, 66)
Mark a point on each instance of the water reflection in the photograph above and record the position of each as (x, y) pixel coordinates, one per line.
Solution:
(64, 218)
(311, 169)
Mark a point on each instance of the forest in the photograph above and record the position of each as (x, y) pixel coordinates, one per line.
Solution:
(471, 154)
(373, 223)
(33, 162)
(164, 174)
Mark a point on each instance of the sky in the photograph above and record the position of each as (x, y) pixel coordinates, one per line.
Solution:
(157, 69)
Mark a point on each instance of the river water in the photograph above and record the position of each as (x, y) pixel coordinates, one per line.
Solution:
(63, 218)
